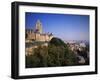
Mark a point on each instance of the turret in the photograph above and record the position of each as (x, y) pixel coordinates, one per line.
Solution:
(38, 26)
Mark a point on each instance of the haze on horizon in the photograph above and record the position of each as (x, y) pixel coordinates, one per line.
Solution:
(64, 26)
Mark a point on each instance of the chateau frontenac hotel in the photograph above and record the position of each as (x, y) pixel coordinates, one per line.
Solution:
(37, 34)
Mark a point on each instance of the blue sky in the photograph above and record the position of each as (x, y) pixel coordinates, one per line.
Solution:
(64, 26)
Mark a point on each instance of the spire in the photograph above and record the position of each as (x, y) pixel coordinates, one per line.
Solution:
(38, 26)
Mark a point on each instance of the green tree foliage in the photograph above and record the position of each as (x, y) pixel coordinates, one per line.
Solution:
(56, 54)
(57, 42)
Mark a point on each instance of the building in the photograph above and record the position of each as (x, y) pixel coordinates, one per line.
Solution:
(83, 45)
(37, 34)
(36, 37)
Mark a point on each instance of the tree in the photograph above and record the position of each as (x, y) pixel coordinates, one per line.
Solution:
(57, 42)
(56, 54)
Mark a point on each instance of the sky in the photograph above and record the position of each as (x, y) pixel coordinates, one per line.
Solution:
(64, 26)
